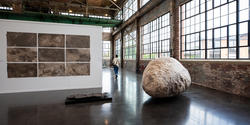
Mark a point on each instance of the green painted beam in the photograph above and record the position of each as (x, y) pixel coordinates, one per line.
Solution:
(41, 17)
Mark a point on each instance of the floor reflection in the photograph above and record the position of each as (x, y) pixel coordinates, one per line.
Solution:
(132, 106)
(173, 111)
(200, 115)
(195, 107)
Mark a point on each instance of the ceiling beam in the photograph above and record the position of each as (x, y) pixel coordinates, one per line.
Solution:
(115, 4)
(80, 6)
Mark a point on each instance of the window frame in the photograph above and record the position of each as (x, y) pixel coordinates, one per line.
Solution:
(118, 48)
(160, 37)
(106, 47)
(128, 9)
(228, 48)
(129, 47)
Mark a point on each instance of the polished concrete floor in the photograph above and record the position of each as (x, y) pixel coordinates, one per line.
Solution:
(130, 106)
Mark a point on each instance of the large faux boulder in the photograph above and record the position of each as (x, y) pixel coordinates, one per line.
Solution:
(165, 77)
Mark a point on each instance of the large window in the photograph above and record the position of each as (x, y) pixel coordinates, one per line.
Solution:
(156, 38)
(215, 29)
(118, 48)
(119, 15)
(130, 46)
(106, 49)
(106, 29)
(129, 8)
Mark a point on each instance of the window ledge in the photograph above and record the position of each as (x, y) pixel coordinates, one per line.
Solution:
(146, 59)
(207, 60)
(129, 59)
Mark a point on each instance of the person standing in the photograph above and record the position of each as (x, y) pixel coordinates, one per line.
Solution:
(116, 65)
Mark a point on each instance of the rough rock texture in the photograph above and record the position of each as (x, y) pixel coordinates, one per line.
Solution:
(16, 70)
(21, 39)
(77, 69)
(51, 55)
(51, 69)
(165, 77)
(55, 55)
(78, 55)
(51, 40)
(21, 54)
(76, 41)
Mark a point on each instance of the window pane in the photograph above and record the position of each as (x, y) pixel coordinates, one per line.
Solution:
(216, 3)
(224, 37)
(223, 1)
(203, 40)
(232, 18)
(217, 53)
(210, 54)
(232, 53)
(244, 15)
(243, 34)
(209, 4)
(232, 7)
(224, 53)
(232, 36)
(244, 52)
(209, 38)
(243, 4)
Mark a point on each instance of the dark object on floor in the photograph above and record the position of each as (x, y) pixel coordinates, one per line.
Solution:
(83, 98)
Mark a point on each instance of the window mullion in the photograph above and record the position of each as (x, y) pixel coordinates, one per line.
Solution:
(206, 29)
(228, 41)
(248, 39)
(181, 35)
(159, 19)
(237, 30)
(149, 41)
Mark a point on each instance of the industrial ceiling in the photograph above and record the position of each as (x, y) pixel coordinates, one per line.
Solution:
(50, 11)
(86, 7)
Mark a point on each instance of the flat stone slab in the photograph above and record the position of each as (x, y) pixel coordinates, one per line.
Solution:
(85, 98)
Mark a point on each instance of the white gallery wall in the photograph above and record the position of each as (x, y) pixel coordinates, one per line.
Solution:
(12, 85)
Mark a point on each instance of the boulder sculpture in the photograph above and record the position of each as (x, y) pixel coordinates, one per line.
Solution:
(165, 77)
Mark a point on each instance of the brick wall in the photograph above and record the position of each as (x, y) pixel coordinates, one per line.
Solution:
(228, 76)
